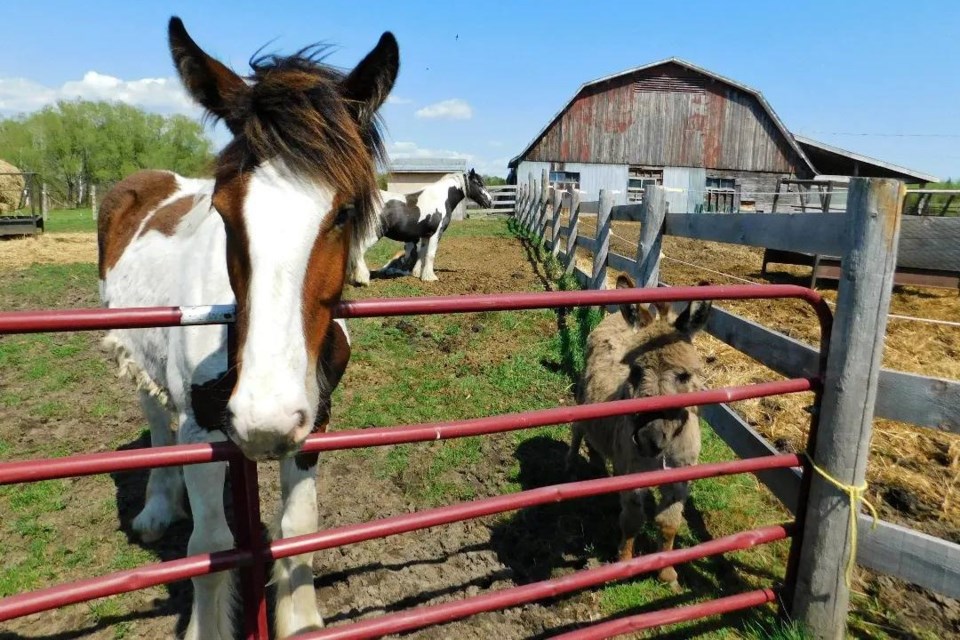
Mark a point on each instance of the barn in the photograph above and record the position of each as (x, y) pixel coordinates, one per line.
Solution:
(713, 143)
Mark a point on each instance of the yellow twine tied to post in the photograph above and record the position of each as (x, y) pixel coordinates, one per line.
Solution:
(856, 494)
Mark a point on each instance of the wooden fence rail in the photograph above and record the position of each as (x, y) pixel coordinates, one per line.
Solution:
(924, 401)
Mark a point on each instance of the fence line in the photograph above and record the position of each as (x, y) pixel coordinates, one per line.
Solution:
(250, 553)
(925, 401)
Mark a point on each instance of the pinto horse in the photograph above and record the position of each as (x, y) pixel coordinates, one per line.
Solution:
(270, 233)
(419, 220)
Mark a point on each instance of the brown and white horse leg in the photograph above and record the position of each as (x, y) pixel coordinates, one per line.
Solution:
(296, 609)
(669, 519)
(211, 616)
(164, 501)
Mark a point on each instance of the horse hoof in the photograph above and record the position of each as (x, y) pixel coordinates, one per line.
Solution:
(153, 521)
(429, 278)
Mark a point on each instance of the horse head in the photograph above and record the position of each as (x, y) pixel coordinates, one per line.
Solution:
(296, 183)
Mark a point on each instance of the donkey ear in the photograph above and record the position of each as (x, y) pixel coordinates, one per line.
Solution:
(369, 84)
(694, 317)
(215, 87)
(636, 315)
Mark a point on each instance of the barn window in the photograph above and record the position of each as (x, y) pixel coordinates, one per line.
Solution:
(563, 179)
(638, 179)
(722, 195)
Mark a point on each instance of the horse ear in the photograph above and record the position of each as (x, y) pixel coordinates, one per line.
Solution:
(215, 87)
(694, 317)
(369, 84)
(636, 315)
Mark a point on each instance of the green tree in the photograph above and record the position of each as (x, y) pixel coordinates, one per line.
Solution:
(74, 144)
(491, 181)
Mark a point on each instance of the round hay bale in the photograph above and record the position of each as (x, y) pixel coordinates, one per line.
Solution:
(11, 187)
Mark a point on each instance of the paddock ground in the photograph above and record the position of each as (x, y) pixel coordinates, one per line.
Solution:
(58, 397)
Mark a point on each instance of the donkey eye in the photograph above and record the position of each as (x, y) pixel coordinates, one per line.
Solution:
(684, 377)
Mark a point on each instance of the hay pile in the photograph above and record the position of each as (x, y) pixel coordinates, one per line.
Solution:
(47, 248)
(11, 188)
(914, 472)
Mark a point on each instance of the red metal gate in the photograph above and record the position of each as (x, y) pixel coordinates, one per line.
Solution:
(250, 556)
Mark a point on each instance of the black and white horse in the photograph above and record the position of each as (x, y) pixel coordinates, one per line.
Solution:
(419, 220)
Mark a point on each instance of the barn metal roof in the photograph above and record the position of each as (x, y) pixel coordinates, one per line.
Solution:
(831, 158)
(683, 63)
(427, 165)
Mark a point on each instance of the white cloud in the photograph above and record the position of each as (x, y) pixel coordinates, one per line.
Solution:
(165, 95)
(413, 150)
(453, 109)
(392, 99)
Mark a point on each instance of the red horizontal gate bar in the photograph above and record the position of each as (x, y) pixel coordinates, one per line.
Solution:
(90, 464)
(449, 611)
(90, 319)
(164, 572)
(674, 615)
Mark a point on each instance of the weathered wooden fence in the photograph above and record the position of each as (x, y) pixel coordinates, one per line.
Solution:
(927, 402)
(504, 201)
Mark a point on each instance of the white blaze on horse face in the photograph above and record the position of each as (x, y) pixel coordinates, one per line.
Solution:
(275, 400)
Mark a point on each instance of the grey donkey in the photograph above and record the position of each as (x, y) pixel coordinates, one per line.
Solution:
(635, 354)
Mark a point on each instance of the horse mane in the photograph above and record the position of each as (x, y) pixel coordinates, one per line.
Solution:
(293, 109)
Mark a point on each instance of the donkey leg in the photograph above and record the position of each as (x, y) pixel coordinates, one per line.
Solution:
(164, 502)
(631, 520)
(428, 275)
(669, 519)
(213, 595)
(576, 439)
(296, 609)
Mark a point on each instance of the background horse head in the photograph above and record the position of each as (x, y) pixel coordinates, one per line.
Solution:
(475, 190)
(292, 188)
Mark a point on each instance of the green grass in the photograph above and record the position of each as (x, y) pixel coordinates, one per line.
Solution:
(69, 221)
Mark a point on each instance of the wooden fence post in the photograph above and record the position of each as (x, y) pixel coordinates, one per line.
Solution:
(518, 205)
(44, 203)
(821, 596)
(532, 203)
(599, 279)
(651, 236)
(542, 205)
(572, 228)
(525, 212)
(557, 201)
(534, 206)
(93, 201)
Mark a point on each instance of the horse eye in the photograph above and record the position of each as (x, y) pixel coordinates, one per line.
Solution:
(684, 377)
(343, 215)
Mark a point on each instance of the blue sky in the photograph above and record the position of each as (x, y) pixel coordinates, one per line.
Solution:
(481, 79)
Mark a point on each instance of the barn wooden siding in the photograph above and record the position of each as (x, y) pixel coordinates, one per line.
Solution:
(668, 116)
